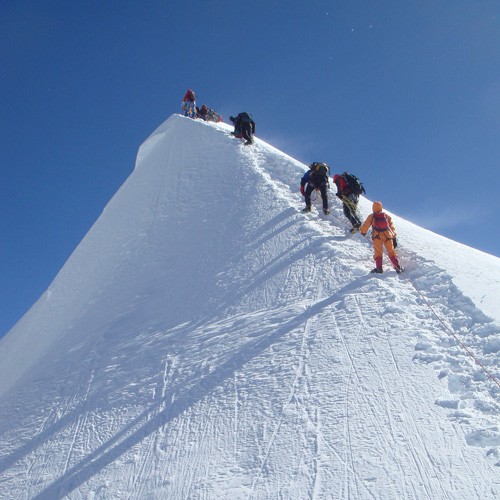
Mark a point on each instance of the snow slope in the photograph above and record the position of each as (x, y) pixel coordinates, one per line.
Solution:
(206, 340)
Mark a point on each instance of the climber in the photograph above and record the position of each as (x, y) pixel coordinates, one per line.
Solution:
(348, 190)
(383, 234)
(188, 104)
(244, 127)
(315, 178)
(207, 114)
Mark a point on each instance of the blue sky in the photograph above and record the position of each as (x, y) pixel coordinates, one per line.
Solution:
(406, 95)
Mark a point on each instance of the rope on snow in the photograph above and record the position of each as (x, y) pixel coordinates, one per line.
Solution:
(446, 327)
(450, 331)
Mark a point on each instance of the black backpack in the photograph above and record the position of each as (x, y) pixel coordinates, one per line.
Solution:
(354, 184)
(245, 117)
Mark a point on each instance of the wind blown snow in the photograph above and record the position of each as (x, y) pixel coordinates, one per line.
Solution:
(207, 340)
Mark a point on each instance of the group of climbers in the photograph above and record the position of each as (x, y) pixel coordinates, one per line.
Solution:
(207, 114)
(190, 109)
(349, 188)
(244, 125)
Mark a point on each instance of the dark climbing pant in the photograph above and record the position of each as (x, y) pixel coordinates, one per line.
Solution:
(322, 190)
(350, 211)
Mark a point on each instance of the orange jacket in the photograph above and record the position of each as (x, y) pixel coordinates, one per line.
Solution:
(387, 234)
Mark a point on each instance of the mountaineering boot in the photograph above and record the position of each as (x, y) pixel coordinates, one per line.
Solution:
(307, 209)
(378, 264)
(397, 266)
(326, 211)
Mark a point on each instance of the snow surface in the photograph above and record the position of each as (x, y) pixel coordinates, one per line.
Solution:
(206, 340)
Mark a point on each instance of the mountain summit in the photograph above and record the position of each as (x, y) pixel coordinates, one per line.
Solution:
(208, 340)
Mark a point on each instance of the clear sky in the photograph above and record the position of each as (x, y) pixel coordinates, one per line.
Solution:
(405, 94)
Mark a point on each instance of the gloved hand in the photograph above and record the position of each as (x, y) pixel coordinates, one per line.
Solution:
(302, 190)
(395, 242)
(363, 234)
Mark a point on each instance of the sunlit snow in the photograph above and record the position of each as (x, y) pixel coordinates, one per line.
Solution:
(206, 340)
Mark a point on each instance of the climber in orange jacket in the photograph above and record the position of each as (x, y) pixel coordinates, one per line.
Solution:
(383, 234)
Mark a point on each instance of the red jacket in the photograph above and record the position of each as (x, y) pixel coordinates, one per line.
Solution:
(341, 184)
(189, 96)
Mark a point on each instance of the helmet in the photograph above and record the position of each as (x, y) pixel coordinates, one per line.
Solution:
(377, 206)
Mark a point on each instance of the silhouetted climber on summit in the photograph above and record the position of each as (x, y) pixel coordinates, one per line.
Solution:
(188, 104)
(207, 114)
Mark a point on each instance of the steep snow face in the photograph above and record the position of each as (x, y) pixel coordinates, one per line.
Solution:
(207, 340)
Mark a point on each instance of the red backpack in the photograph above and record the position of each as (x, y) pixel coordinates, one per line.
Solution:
(380, 222)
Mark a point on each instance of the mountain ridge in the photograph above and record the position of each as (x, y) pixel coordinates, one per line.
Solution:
(207, 340)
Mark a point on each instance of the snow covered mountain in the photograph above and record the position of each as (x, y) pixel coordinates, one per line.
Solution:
(206, 340)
